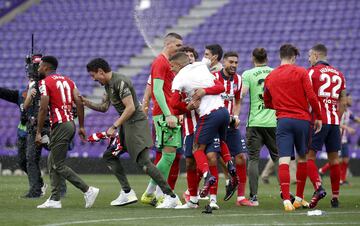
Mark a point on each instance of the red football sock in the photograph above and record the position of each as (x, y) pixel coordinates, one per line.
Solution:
(313, 174)
(201, 161)
(335, 179)
(174, 171)
(344, 167)
(224, 151)
(284, 179)
(325, 168)
(301, 174)
(158, 155)
(199, 176)
(192, 180)
(241, 174)
(215, 173)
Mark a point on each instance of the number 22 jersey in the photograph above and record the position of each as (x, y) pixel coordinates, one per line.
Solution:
(327, 83)
(59, 89)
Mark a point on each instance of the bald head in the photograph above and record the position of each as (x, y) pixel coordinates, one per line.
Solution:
(317, 53)
(172, 43)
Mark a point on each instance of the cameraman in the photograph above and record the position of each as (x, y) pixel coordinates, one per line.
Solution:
(33, 152)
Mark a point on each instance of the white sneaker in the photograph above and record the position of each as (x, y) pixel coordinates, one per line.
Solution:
(213, 205)
(125, 198)
(169, 202)
(50, 204)
(188, 205)
(43, 189)
(90, 196)
(204, 198)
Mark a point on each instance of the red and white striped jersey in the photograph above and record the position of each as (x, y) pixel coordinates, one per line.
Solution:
(327, 83)
(233, 88)
(190, 119)
(59, 89)
(345, 120)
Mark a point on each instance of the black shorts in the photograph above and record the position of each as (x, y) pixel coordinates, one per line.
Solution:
(257, 137)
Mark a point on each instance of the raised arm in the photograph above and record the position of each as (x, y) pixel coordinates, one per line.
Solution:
(9, 95)
(102, 107)
(216, 89)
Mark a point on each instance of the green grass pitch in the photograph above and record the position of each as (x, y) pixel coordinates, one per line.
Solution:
(17, 211)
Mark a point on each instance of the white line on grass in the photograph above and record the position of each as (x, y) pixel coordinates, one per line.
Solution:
(289, 224)
(223, 215)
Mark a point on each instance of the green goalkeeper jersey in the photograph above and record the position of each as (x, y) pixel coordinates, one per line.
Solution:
(254, 80)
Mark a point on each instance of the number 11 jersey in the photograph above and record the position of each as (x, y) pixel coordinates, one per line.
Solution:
(60, 90)
(328, 83)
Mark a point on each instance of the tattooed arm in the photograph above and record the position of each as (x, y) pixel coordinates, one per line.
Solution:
(102, 107)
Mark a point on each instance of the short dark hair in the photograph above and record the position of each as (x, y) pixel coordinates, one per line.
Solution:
(320, 48)
(189, 49)
(179, 56)
(288, 50)
(174, 35)
(231, 54)
(260, 55)
(215, 49)
(51, 60)
(95, 64)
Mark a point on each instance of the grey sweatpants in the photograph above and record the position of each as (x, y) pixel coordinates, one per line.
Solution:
(256, 138)
(61, 136)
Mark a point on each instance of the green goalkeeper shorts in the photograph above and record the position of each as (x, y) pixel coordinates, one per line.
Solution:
(165, 136)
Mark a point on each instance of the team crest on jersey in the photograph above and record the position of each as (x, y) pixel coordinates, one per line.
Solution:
(235, 86)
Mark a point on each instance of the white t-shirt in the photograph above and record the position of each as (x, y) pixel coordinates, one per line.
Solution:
(195, 76)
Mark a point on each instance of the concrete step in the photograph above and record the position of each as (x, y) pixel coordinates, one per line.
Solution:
(203, 12)
(212, 3)
(150, 52)
(158, 42)
(183, 31)
(141, 61)
(190, 21)
(130, 70)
